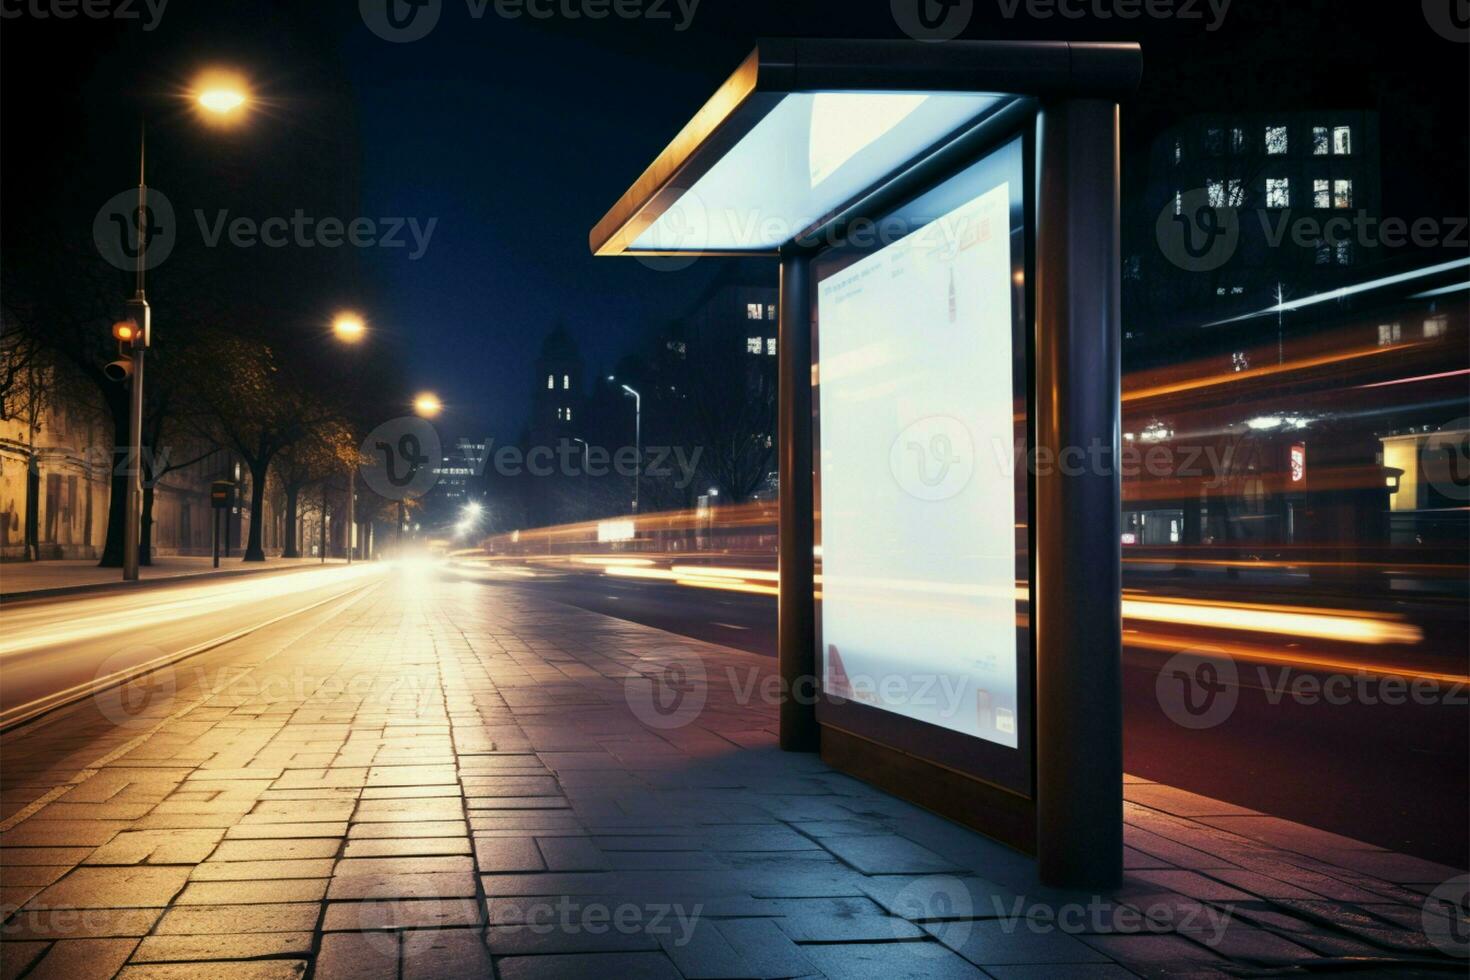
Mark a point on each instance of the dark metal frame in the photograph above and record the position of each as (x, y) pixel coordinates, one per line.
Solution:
(1074, 823)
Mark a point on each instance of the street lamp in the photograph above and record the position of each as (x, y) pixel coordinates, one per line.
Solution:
(586, 487)
(349, 327)
(221, 97)
(637, 442)
(427, 404)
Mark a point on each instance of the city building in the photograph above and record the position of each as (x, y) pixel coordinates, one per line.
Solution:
(1266, 206)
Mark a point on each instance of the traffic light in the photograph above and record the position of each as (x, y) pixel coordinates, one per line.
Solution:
(120, 370)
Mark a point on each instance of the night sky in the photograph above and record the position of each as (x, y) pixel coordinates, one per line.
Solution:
(518, 135)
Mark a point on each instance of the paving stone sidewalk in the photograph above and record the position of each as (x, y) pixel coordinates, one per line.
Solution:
(30, 579)
(444, 779)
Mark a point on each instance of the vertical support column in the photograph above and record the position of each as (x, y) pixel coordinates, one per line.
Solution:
(796, 619)
(1077, 606)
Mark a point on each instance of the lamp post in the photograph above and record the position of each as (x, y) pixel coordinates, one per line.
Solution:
(349, 329)
(586, 487)
(220, 98)
(637, 443)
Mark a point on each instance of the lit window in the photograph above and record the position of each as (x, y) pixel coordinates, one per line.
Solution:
(1178, 203)
(550, 382)
(569, 415)
(1344, 253)
(1214, 141)
(754, 311)
(1178, 150)
(1225, 193)
(752, 345)
(1238, 144)
(1321, 141)
(1342, 193)
(1321, 193)
(1436, 326)
(1278, 192)
(1240, 360)
(1388, 333)
(771, 346)
(1275, 140)
(566, 382)
(1342, 140)
(770, 311)
(1324, 252)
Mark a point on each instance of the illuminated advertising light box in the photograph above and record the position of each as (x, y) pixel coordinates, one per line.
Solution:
(920, 366)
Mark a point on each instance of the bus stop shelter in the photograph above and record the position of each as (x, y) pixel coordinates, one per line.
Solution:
(946, 218)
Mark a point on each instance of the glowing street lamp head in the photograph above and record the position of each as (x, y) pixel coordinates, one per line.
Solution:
(221, 96)
(349, 327)
(428, 405)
